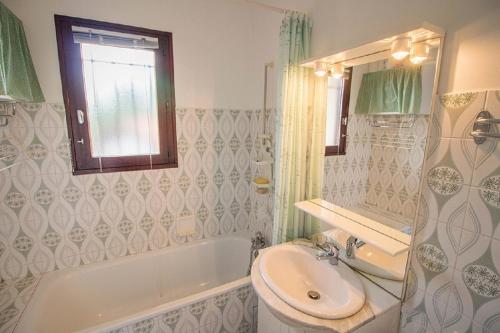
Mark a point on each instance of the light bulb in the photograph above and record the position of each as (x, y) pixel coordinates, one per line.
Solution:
(320, 69)
(337, 70)
(419, 52)
(400, 48)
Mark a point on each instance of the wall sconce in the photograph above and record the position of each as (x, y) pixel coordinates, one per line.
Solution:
(320, 68)
(419, 52)
(336, 71)
(400, 48)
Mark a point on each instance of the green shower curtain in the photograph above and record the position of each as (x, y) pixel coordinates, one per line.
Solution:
(300, 126)
(18, 78)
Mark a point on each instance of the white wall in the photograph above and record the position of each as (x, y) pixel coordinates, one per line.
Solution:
(220, 46)
(472, 46)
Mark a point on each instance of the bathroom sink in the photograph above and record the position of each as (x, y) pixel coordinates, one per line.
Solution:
(371, 260)
(311, 286)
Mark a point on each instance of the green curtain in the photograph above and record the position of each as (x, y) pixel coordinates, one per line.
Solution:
(395, 90)
(18, 78)
(300, 128)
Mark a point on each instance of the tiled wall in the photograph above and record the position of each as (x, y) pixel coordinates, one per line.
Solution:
(261, 214)
(50, 219)
(232, 311)
(394, 167)
(454, 278)
(346, 175)
(381, 168)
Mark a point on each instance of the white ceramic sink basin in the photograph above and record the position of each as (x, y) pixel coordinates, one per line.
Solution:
(371, 260)
(293, 273)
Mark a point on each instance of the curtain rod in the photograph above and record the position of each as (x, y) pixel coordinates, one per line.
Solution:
(270, 7)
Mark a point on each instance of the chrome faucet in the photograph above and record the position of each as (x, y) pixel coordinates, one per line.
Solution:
(330, 251)
(352, 242)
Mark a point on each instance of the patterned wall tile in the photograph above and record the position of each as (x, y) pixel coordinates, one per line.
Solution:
(381, 169)
(231, 312)
(260, 206)
(443, 201)
(53, 220)
(454, 114)
(14, 296)
(451, 161)
(346, 176)
(461, 186)
(483, 211)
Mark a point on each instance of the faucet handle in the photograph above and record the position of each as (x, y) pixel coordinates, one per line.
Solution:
(359, 243)
(330, 252)
(329, 248)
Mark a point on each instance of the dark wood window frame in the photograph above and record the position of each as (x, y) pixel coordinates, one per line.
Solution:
(344, 115)
(74, 99)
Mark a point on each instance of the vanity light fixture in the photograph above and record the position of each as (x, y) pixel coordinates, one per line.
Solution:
(320, 68)
(419, 52)
(400, 48)
(336, 70)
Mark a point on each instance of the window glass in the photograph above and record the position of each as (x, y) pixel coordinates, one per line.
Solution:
(334, 111)
(120, 89)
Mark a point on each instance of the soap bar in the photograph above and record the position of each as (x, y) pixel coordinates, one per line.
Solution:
(261, 180)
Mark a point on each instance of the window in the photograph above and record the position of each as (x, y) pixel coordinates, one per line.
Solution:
(118, 89)
(337, 112)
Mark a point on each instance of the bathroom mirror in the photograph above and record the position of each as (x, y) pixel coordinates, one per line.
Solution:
(378, 115)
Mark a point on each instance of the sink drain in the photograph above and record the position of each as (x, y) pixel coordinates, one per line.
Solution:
(313, 295)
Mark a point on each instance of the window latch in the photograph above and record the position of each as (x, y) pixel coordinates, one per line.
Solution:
(81, 117)
(344, 121)
(80, 141)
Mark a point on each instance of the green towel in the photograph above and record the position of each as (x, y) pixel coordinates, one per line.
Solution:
(18, 78)
(395, 90)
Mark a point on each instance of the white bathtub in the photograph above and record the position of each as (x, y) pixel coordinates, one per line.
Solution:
(136, 290)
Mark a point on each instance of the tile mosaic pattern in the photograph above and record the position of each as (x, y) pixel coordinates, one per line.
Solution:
(455, 267)
(394, 167)
(14, 296)
(230, 312)
(50, 219)
(345, 178)
(261, 214)
(381, 169)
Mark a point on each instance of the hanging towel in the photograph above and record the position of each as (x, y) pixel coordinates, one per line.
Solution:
(395, 90)
(18, 78)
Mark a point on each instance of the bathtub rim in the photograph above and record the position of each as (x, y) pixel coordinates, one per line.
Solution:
(46, 280)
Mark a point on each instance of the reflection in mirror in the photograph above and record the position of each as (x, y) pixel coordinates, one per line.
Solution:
(375, 180)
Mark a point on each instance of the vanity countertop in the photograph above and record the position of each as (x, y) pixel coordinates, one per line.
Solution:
(378, 301)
